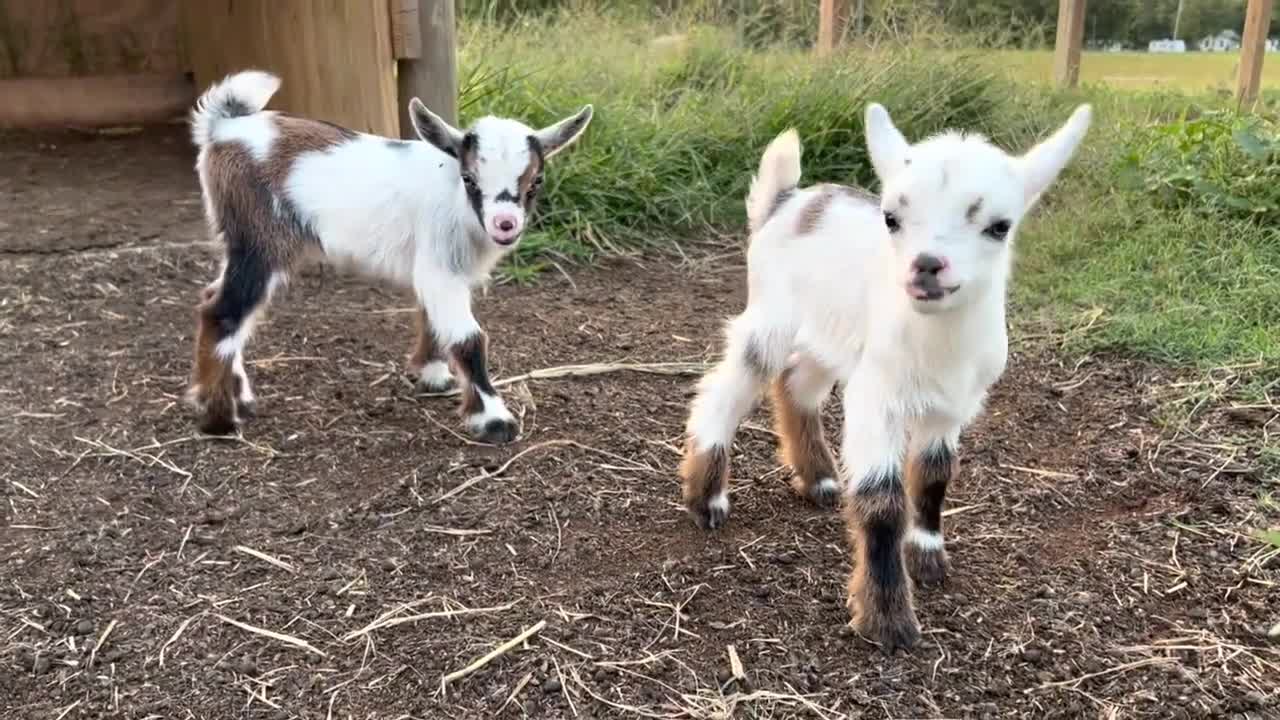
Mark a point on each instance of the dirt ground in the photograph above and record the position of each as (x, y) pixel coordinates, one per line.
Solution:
(1101, 563)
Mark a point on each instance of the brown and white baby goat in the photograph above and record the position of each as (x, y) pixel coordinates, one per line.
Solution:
(434, 215)
(900, 299)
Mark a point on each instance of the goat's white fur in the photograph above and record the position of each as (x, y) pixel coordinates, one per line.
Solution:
(834, 298)
(397, 211)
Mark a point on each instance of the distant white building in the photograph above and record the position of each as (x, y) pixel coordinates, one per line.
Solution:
(1168, 46)
(1273, 44)
(1225, 41)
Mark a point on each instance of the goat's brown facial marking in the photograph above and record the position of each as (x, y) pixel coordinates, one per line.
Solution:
(529, 184)
(971, 214)
(704, 480)
(803, 446)
(468, 164)
(879, 586)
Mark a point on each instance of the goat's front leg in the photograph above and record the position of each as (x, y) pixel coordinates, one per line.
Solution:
(877, 516)
(930, 467)
(447, 300)
(428, 365)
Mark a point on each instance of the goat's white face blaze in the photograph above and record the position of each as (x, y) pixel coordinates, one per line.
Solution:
(500, 164)
(953, 203)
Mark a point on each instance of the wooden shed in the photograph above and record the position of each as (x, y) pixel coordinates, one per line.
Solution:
(93, 63)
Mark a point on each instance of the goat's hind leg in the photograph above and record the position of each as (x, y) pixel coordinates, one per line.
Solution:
(798, 395)
(220, 387)
(725, 396)
(932, 463)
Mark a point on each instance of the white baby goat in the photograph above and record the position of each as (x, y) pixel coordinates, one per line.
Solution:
(902, 300)
(434, 215)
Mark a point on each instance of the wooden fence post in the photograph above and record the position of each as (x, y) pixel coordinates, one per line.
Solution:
(1066, 48)
(832, 16)
(1253, 48)
(430, 70)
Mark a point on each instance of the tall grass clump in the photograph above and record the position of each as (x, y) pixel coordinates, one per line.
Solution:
(1164, 240)
(1160, 239)
(681, 119)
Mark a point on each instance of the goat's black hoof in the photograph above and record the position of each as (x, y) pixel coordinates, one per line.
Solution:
(709, 514)
(495, 431)
(247, 409)
(927, 567)
(435, 385)
(213, 424)
(825, 493)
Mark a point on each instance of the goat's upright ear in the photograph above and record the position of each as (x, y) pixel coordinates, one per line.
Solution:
(887, 146)
(561, 135)
(431, 128)
(1041, 165)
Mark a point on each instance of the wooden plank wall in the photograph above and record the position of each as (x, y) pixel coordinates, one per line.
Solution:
(62, 38)
(334, 56)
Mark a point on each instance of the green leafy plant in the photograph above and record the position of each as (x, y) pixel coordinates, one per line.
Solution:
(1220, 162)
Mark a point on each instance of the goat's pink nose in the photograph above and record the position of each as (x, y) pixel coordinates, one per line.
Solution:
(926, 264)
(506, 223)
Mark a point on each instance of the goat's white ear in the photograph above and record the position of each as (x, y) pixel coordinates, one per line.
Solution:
(555, 138)
(431, 128)
(886, 144)
(1041, 165)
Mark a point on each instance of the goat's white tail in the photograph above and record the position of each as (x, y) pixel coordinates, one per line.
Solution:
(779, 174)
(238, 95)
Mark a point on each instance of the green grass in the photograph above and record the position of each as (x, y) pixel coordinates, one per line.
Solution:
(681, 121)
(1189, 72)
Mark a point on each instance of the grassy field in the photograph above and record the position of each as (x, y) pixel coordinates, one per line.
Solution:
(1189, 72)
(1163, 261)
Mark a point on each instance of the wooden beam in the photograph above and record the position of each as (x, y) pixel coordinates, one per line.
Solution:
(334, 57)
(1066, 48)
(406, 34)
(433, 76)
(1253, 48)
(832, 17)
(94, 101)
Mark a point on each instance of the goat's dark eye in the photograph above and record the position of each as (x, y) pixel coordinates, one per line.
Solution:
(891, 222)
(997, 230)
(469, 180)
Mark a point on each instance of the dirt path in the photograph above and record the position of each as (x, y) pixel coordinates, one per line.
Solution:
(1095, 568)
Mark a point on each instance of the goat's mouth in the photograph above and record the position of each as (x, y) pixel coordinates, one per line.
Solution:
(505, 240)
(930, 293)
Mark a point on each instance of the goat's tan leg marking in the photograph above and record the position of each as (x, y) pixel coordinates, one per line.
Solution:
(725, 395)
(879, 587)
(213, 390)
(928, 473)
(798, 395)
(427, 362)
(705, 484)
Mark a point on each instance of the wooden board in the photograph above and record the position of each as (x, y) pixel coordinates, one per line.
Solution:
(97, 101)
(1253, 48)
(1066, 49)
(334, 56)
(59, 38)
(832, 16)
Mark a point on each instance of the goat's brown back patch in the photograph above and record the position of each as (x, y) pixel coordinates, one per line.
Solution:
(826, 194)
(298, 136)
